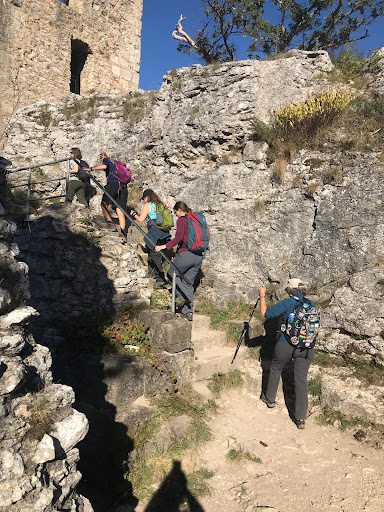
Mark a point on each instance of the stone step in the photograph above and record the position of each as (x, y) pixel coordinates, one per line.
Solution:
(203, 337)
(217, 360)
(133, 236)
(204, 340)
(200, 322)
(143, 256)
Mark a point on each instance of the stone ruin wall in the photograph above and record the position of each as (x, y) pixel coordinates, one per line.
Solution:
(35, 49)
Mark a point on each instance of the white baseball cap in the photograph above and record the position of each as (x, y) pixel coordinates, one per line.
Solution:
(295, 283)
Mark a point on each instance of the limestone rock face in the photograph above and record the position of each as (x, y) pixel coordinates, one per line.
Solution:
(33, 476)
(376, 67)
(322, 222)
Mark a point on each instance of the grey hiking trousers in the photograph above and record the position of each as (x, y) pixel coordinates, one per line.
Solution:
(189, 264)
(283, 354)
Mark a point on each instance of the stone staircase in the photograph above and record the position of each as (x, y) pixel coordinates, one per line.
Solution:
(134, 238)
(212, 354)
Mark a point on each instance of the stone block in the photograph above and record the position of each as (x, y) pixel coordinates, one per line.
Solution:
(167, 331)
(68, 432)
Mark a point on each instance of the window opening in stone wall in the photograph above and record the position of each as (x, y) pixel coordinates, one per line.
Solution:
(79, 54)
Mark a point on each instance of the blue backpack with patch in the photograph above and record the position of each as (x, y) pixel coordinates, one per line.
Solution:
(303, 324)
(198, 233)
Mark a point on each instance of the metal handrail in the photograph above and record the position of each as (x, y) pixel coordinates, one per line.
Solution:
(29, 183)
(10, 171)
(176, 271)
(134, 223)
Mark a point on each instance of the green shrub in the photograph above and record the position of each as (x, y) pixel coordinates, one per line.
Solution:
(349, 61)
(86, 336)
(124, 332)
(261, 132)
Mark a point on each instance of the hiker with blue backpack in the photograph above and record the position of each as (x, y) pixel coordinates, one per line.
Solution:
(118, 176)
(192, 239)
(159, 222)
(300, 323)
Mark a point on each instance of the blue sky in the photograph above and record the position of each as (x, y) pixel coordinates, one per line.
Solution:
(159, 50)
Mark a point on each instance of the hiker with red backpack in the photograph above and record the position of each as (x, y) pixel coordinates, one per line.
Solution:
(118, 176)
(192, 239)
(300, 323)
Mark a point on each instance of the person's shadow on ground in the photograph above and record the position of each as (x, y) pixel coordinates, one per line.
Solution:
(267, 346)
(173, 494)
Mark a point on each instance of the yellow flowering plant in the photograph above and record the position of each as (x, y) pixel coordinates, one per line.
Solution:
(305, 118)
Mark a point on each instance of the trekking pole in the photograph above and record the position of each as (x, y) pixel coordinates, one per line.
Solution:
(246, 327)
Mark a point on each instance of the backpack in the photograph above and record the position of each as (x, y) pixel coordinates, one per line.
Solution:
(123, 173)
(303, 325)
(198, 233)
(164, 219)
(83, 175)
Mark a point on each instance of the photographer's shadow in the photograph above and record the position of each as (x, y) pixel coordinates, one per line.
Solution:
(173, 494)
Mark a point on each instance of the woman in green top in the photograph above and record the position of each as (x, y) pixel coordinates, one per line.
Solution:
(148, 214)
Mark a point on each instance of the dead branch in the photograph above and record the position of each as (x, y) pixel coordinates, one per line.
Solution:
(180, 35)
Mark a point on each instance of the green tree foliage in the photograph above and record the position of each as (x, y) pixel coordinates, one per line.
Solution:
(224, 20)
(305, 24)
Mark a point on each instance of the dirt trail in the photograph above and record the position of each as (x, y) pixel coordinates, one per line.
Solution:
(316, 469)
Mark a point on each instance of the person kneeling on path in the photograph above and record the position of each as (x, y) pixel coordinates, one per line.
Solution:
(186, 261)
(115, 189)
(152, 204)
(291, 308)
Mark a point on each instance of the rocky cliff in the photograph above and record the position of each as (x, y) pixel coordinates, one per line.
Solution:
(37, 470)
(321, 221)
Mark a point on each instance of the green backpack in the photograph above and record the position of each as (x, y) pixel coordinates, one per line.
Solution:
(164, 219)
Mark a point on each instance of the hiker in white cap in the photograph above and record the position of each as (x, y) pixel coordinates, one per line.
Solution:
(298, 348)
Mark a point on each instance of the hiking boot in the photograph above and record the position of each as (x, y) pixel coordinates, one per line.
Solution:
(111, 226)
(187, 316)
(264, 399)
(123, 238)
(300, 424)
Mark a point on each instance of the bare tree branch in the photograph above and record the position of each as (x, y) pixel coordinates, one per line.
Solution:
(181, 35)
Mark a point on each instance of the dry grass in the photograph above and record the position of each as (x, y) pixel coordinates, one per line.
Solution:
(259, 206)
(279, 170)
(312, 188)
(297, 181)
(41, 418)
(333, 175)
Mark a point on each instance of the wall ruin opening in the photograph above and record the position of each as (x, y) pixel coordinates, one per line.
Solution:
(79, 54)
